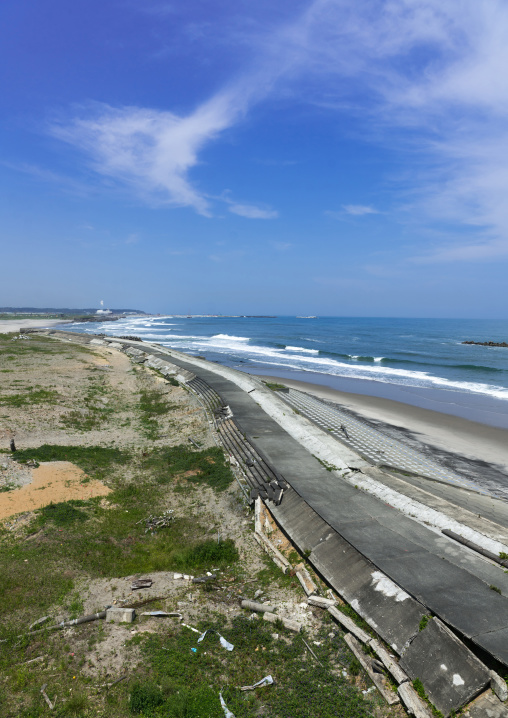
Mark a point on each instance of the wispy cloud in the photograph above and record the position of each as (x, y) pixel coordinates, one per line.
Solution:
(148, 150)
(359, 210)
(252, 212)
(435, 70)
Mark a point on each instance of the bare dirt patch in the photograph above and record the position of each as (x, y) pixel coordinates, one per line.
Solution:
(51, 482)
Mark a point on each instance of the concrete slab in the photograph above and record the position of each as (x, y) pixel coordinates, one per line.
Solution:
(120, 615)
(487, 706)
(451, 674)
(459, 598)
(494, 642)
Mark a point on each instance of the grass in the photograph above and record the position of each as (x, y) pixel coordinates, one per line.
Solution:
(96, 461)
(207, 466)
(187, 683)
(274, 386)
(152, 405)
(31, 396)
(423, 622)
(418, 686)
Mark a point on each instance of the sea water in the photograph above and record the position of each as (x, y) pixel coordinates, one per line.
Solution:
(415, 361)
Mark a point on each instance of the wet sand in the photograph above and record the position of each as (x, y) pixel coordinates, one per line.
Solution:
(460, 441)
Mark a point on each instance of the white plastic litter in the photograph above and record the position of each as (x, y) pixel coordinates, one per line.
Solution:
(191, 628)
(227, 712)
(266, 681)
(225, 644)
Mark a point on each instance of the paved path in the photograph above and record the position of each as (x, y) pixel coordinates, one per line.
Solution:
(449, 579)
(452, 581)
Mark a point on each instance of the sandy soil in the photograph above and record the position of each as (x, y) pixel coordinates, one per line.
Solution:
(51, 482)
(14, 325)
(447, 433)
(101, 381)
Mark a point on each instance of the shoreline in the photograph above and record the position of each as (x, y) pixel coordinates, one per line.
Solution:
(452, 437)
(12, 326)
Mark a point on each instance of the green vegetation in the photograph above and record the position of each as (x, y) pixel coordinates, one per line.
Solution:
(31, 396)
(207, 466)
(186, 683)
(96, 461)
(494, 588)
(326, 464)
(152, 404)
(418, 686)
(274, 386)
(423, 622)
(503, 555)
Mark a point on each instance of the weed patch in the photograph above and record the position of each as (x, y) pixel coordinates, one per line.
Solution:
(207, 466)
(94, 460)
(31, 396)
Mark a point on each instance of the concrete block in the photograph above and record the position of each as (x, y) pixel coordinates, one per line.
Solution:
(388, 661)
(303, 576)
(450, 673)
(287, 622)
(120, 615)
(499, 686)
(392, 613)
(412, 701)
(348, 624)
(366, 661)
(487, 705)
(259, 607)
(321, 602)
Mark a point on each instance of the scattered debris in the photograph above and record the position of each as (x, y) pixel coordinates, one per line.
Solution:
(191, 628)
(141, 583)
(349, 624)
(312, 652)
(286, 622)
(120, 615)
(321, 602)
(34, 660)
(378, 679)
(192, 441)
(107, 686)
(258, 607)
(225, 644)
(39, 622)
(162, 614)
(45, 696)
(266, 681)
(152, 523)
(303, 576)
(204, 579)
(226, 710)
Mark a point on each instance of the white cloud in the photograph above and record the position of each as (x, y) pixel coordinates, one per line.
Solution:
(432, 68)
(149, 150)
(358, 210)
(252, 212)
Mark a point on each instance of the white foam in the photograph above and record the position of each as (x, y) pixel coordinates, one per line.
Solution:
(300, 359)
(232, 338)
(302, 349)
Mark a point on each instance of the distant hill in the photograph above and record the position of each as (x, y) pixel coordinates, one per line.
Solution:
(64, 310)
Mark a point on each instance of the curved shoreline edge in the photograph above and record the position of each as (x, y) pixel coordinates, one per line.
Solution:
(310, 515)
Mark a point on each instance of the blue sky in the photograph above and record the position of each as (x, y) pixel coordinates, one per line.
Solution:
(321, 157)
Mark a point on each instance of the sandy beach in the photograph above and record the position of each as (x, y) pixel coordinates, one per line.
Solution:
(14, 325)
(463, 442)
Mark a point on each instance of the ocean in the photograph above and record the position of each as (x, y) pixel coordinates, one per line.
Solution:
(415, 361)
